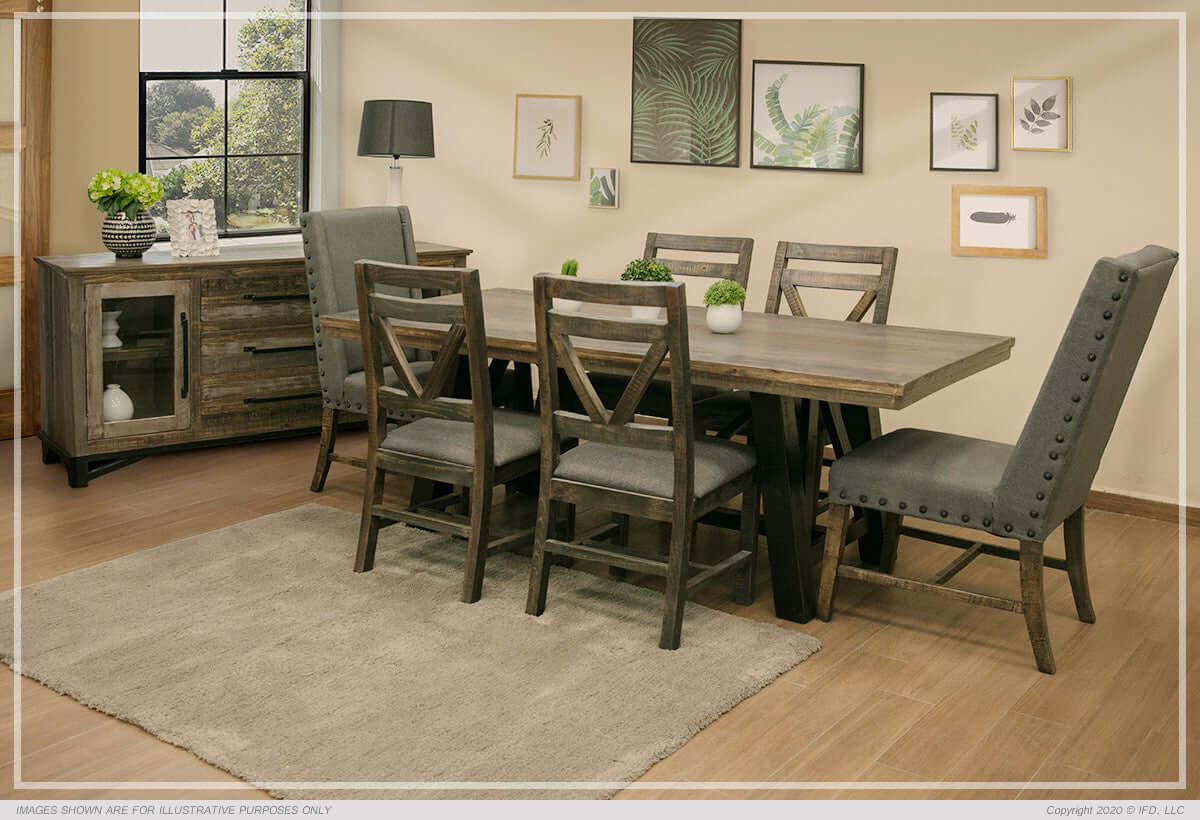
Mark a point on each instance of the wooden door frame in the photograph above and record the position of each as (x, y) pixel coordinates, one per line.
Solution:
(33, 142)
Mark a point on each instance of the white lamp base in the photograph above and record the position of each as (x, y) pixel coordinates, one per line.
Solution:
(394, 180)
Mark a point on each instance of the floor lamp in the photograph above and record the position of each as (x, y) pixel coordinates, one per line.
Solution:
(396, 128)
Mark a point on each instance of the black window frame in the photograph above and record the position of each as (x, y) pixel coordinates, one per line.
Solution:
(225, 75)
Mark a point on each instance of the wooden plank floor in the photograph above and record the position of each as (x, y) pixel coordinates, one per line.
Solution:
(908, 688)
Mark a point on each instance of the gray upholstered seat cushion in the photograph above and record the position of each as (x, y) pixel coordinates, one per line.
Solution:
(939, 476)
(516, 435)
(354, 387)
(652, 472)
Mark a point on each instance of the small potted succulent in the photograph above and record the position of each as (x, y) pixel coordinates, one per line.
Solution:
(646, 270)
(128, 231)
(724, 300)
(569, 268)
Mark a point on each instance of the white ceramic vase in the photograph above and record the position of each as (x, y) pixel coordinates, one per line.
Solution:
(117, 406)
(723, 318)
(566, 305)
(643, 312)
(109, 329)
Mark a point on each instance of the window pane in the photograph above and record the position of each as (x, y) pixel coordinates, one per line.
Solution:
(181, 45)
(264, 193)
(188, 179)
(185, 118)
(265, 35)
(265, 116)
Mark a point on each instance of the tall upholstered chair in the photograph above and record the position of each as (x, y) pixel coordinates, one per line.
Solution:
(463, 442)
(333, 241)
(1024, 491)
(652, 471)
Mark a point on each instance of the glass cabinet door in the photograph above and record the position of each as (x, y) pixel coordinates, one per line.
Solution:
(137, 340)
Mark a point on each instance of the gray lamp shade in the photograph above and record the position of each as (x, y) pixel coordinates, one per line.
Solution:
(396, 128)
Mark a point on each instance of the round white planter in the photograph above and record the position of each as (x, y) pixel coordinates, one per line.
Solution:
(566, 305)
(643, 312)
(723, 318)
(117, 406)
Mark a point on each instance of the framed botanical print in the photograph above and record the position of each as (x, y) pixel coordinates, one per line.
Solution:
(998, 220)
(964, 132)
(807, 116)
(1041, 113)
(686, 103)
(603, 188)
(546, 136)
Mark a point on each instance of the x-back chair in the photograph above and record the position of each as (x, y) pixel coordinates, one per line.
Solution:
(461, 442)
(650, 471)
(1023, 491)
(333, 241)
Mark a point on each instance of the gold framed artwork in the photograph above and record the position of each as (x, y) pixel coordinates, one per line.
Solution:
(998, 220)
(1041, 113)
(546, 136)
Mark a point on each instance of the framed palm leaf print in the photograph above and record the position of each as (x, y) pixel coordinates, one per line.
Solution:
(807, 116)
(686, 91)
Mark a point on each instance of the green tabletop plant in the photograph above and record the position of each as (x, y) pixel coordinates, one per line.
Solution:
(569, 268)
(646, 270)
(724, 300)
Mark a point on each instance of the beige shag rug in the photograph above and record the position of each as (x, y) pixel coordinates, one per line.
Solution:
(259, 649)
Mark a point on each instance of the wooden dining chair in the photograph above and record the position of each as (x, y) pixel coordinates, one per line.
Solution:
(1022, 491)
(462, 442)
(652, 471)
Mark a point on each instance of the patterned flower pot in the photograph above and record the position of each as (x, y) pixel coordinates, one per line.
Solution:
(128, 238)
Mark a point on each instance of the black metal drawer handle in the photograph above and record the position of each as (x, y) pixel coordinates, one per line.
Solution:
(283, 297)
(259, 351)
(273, 399)
(183, 334)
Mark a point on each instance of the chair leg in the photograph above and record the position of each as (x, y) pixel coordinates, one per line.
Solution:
(1077, 566)
(329, 421)
(744, 593)
(1034, 600)
(539, 566)
(835, 544)
(676, 593)
(477, 545)
(622, 539)
(891, 541)
(368, 530)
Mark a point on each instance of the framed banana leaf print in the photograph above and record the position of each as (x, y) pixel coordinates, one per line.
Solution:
(686, 91)
(807, 116)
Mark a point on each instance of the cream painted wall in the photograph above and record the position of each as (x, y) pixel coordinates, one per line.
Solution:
(1116, 191)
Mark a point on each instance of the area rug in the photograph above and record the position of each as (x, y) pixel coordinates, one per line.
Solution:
(257, 648)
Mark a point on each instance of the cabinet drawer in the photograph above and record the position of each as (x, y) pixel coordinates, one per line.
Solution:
(259, 390)
(256, 301)
(230, 351)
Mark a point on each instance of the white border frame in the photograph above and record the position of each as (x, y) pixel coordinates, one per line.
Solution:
(1180, 17)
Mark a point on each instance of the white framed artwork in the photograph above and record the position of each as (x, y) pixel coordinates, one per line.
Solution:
(192, 225)
(1041, 111)
(963, 132)
(546, 136)
(603, 188)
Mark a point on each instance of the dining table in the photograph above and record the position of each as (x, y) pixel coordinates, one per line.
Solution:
(788, 365)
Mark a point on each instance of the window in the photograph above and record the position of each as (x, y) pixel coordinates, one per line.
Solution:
(225, 107)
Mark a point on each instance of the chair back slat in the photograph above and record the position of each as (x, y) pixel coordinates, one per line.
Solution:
(876, 288)
(1050, 472)
(738, 270)
(666, 343)
(378, 310)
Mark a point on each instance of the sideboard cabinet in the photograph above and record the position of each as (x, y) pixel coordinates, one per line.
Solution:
(206, 349)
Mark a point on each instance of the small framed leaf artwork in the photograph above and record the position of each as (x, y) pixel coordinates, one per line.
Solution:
(603, 191)
(964, 132)
(1041, 113)
(998, 220)
(807, 116)
(546, 137)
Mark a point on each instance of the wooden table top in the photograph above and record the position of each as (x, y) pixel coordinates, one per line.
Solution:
(872, 365)
(263, 253)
